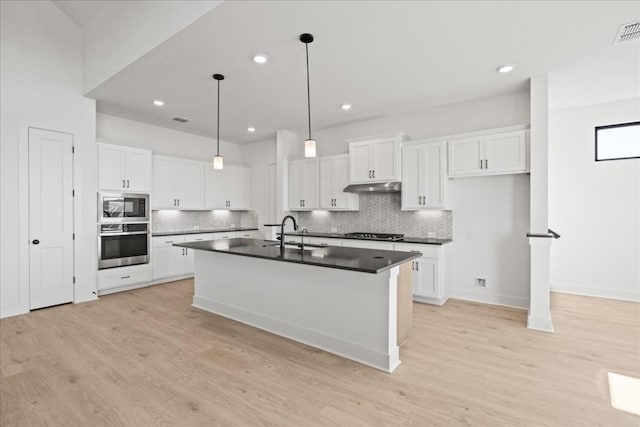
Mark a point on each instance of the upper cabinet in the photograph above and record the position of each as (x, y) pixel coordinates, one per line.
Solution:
(303, 184)
(423, 175)
(489, 154)
(334, 176)
(124, 168)
(227, 188)
(177, 184)
(375, 160)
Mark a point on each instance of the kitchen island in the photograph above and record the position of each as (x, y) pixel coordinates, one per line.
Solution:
(342, 300)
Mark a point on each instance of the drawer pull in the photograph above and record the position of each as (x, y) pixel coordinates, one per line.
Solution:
(125, 277)
(170, 241)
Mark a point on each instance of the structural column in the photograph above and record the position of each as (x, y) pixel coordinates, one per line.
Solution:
(539, 303)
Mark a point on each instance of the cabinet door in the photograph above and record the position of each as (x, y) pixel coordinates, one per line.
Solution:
(138, 169)
(168, 261)
(164, 192)
(412, 168)
(190, 184)
(433, 176)
(340, 175)
(360, 162)
(326, 183)
(189, 261)
(311, 184)
(386, 163)
(238, 188)
(425, 280)
(296, 184)
(505, 152)
(217, 185)
(111, 166)
(465, 156)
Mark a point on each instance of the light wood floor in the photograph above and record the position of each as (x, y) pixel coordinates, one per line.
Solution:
(145, 357)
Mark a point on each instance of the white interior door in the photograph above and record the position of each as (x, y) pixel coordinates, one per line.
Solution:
(50, 218)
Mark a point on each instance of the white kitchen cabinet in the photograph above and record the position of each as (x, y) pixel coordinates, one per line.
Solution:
(166, 259)
(427, 272)
(376, 160)
(120, 278)
(367, 244)
(334, 177)
(227, 188)
(124, 168)
(423, 175)
(489, 154)
(303, 184)
(177, 184)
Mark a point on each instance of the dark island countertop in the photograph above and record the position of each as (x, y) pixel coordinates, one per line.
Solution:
(406, 239)
(353, 259)
(202, 231)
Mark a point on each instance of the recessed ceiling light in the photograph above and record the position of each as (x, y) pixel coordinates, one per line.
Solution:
(346, 107)
(506, 68)
(251, 129)
(260, 58)
(158, 102)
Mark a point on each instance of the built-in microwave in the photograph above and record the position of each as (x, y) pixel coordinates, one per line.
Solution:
(122, 207)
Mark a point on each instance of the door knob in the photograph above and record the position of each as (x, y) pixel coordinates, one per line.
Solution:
(35, 241)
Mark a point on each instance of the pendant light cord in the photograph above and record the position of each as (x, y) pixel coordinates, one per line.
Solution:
(306, 45)
(218, 133)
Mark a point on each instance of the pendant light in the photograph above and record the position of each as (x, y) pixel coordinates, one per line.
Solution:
(217, 159)
(309, 144)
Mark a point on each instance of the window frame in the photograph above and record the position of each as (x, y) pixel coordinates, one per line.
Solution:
(617, 125)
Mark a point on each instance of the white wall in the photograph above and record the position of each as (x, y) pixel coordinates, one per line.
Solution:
(490, 214)
(258, 156)
(121, 32)
(41, 80)
(116, 130)
(595, 206)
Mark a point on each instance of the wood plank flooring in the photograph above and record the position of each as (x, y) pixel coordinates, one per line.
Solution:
(147, 358)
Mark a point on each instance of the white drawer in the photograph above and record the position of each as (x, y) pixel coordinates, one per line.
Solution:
(123, 276)
(160, 241)
(197, 237)
(367, 244)
(428, 251)
(226, 235)
(250, 234)
(323, 241)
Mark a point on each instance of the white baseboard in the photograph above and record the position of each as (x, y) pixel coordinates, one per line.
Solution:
(504, 300)
(13, 311)
(143, 284)
(330, 344)
(428, 300)
(620, 294)
(540, 323)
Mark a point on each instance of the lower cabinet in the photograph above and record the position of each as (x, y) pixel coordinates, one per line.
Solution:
(112, 279)
(428, 272)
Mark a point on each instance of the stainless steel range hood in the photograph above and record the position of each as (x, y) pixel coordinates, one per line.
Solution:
(378, 187)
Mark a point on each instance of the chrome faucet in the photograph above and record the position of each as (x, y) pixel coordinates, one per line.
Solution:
(295, 227)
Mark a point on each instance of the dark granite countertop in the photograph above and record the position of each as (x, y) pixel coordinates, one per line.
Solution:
(406, 239)
(353, 259)
(217, 230)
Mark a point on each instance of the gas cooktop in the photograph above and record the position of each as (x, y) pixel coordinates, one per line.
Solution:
(375, 236)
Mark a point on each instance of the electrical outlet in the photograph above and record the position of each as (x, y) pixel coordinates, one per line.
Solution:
(480, 282)
(431, 234)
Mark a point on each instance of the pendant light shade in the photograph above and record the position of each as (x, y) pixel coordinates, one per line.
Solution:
(218, 162)
(310, 143)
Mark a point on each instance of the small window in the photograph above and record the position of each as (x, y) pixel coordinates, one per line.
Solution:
(616, 142)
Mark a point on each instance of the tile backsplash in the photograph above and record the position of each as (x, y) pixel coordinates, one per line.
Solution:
(174, 220)
(380, 212)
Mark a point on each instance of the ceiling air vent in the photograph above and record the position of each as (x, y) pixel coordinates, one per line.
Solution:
(180, 119)
(628, 32)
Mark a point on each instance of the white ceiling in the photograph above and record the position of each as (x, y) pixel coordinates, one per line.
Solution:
(382, 57)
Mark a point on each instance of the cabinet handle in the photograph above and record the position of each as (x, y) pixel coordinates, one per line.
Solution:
(374, 173)
(369, 174)
(480, 163)
(186, 251)
(127, 183)
(170, 241)
(486, 164)
(417, 266)
(123, 183)
(125, 277)
(304, 202)
(178, 202)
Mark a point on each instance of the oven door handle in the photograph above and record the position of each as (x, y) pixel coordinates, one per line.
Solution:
(130, 233)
